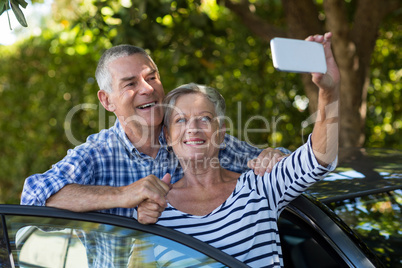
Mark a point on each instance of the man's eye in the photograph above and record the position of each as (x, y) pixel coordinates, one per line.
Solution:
(131, 84)
(152, 77)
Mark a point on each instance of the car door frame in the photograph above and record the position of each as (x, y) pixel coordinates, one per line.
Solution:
(119, 221)
(331, 232)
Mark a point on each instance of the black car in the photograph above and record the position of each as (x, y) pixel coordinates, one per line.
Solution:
(350, 219)
(365, 192)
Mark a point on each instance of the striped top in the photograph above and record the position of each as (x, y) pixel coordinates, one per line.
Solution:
(245, 225)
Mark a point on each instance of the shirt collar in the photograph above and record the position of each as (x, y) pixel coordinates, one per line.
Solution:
(130, 147)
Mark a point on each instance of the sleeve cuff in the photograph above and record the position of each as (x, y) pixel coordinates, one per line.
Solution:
(331, 166)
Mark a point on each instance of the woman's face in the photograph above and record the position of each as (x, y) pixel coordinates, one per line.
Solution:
(194, 131)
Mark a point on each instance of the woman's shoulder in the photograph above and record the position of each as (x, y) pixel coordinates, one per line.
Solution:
(248, 178)
(231, 175)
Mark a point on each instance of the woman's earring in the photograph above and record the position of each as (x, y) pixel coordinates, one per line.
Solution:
(169, 149)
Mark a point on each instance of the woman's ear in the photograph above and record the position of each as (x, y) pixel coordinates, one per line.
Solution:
(105, 100)
(167, 136)
(222, 132)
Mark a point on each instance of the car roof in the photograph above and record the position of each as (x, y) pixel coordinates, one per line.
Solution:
(360, 172)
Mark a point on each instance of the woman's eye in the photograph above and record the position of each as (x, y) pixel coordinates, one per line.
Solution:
(205, 119)
(181, 120)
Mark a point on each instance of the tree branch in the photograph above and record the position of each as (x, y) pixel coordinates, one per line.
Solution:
(302, 18)
(257, 25)
(368, 18)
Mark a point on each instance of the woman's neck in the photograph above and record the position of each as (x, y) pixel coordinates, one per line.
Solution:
(206, 171)
(200, 192)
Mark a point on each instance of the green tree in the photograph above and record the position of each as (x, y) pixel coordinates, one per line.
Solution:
(231, 36)
(46, 79)
(355, 25)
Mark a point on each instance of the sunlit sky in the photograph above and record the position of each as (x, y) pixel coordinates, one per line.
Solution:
(33, 13)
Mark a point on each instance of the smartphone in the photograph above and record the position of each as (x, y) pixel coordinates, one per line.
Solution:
(298, 56)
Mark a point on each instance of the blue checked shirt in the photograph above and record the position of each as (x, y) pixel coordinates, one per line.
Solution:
(109, 158)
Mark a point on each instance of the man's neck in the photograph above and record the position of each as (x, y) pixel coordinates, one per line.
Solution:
(144, 139)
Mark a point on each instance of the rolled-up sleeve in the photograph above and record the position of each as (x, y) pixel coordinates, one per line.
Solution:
(74, 168)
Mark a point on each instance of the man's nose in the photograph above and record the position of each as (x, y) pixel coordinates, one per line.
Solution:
(145, 88)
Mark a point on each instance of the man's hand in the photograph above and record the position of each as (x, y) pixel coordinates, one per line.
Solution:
(266, 161)
(150, 209)
(149, 188)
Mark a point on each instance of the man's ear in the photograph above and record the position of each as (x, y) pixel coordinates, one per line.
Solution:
(105, 99)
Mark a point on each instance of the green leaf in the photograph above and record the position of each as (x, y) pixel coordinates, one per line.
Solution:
(18, 13)
(21, 2)
(3, 6)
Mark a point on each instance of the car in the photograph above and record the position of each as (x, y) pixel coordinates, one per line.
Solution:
(352, 218)
(365, 192)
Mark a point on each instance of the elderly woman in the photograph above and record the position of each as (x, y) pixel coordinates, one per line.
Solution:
(238, 213)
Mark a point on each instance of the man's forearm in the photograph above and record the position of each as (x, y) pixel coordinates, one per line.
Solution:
(84, 198)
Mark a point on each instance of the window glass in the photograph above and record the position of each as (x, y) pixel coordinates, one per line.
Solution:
(49, 242)
(300, 247)
(4, 255)
(378, 221)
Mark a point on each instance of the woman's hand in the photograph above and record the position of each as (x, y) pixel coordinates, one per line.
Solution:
(331, 79)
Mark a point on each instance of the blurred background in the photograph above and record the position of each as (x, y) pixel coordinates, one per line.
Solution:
(47, 70)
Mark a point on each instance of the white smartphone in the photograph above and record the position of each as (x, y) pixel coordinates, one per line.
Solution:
(298, 56)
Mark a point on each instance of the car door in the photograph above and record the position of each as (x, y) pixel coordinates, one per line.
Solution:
(48, 237)
(313, 236)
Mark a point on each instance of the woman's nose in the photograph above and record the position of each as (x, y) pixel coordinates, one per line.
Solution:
(192, 126)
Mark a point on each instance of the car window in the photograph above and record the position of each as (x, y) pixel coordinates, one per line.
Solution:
(302, 247)
(53, 242)
(4, 256)
(377, 219)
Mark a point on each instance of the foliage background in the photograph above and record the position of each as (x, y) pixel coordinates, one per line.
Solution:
(44, 77)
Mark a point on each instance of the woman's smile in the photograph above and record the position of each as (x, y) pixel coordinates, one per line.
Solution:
(194, 142)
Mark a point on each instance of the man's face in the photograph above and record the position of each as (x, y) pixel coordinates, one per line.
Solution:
(137, 91)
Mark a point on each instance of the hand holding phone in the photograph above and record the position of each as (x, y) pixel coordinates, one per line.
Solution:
(298, 56)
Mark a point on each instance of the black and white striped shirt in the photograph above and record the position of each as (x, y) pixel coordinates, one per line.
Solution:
(245, 225)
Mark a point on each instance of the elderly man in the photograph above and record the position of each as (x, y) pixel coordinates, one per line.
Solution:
(127, 164)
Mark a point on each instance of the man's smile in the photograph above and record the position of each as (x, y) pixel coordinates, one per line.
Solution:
(147, 105)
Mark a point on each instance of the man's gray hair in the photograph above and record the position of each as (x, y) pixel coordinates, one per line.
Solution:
(102, 73)
(210, 93)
